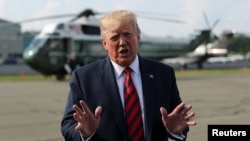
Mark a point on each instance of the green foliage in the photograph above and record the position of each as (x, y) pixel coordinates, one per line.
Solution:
(239, 44)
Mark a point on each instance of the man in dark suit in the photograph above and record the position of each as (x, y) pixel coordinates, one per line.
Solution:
(95, 106)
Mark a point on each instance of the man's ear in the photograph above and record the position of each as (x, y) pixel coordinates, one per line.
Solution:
(104, 43)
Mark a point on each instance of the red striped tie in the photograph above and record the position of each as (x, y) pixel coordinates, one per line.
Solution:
(133, 114)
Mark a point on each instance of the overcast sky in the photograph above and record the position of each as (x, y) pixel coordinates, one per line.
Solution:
(231, 14)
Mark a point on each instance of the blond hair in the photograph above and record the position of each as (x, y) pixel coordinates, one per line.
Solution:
(117, 18)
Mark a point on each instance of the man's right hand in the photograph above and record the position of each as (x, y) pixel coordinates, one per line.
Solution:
(87, 122)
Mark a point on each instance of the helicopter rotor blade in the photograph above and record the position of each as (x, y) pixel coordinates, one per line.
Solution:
(47, 18)
(213, 26)
(37, 19)
(215, 23)
(156, 14)
(89, 12)
(206, 19)
(164, 19)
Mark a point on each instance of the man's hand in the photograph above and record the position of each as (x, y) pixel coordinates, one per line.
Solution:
(178, 119)
(87, 122)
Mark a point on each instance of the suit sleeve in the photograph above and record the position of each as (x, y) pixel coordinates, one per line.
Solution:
(176, 99)
(68, 122)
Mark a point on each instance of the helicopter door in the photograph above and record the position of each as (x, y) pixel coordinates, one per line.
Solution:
(69, 55)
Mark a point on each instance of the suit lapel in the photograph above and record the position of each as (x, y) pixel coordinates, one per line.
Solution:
(148, 87)
(109, 81)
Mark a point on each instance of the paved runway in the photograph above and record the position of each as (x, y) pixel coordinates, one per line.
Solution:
(216, 100)
(32, 110)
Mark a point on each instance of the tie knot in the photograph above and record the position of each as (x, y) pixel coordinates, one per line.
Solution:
(127, 70)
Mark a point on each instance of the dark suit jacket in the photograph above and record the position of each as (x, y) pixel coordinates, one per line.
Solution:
(96, 85)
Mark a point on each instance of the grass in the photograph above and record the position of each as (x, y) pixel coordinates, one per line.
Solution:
(213, 72)
(24, 77)
(186, 73)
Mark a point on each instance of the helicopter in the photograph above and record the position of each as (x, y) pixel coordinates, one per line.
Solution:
(60, 48)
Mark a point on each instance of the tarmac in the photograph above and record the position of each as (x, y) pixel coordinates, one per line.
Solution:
(32, 110)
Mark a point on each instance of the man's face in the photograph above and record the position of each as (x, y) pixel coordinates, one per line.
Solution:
(122, 44)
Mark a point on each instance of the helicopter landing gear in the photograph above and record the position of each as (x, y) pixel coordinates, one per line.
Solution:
(183, 67)
(60, 77)
(200, 65)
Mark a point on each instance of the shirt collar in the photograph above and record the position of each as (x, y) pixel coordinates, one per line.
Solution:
(119, 69)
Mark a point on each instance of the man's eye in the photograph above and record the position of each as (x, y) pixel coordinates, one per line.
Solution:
(114, 38)
(127, 34)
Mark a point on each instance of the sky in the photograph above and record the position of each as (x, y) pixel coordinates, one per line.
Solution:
(230, 14)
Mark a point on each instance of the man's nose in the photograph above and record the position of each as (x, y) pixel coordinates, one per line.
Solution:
(122, 40)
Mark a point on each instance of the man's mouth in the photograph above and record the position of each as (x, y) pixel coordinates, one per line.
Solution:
(124, 52)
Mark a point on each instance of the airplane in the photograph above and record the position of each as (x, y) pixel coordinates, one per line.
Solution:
(60, 48)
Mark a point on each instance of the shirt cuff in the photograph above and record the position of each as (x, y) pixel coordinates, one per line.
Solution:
(178, 136)
(87, 139)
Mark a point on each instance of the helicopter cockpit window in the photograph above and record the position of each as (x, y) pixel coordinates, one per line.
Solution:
(91, 30)
(37, 43)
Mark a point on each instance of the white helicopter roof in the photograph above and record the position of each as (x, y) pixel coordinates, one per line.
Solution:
(88, 21)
